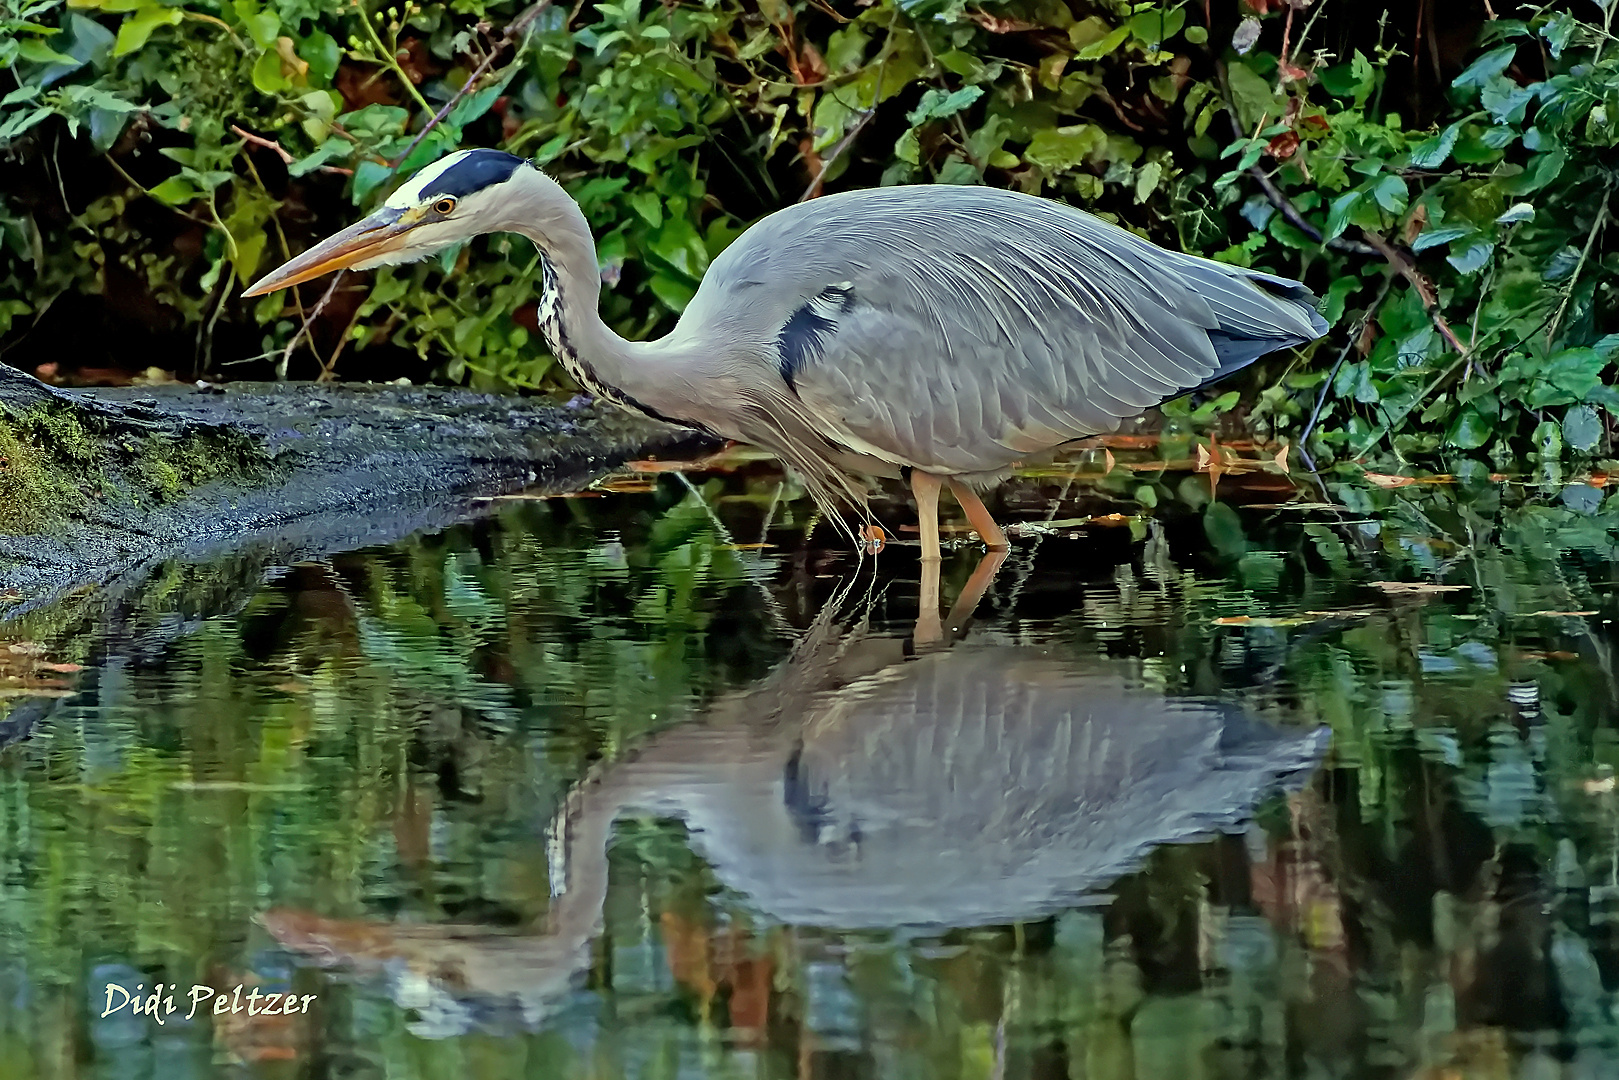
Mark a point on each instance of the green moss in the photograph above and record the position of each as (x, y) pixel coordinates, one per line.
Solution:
(34, 488)
(52, 462)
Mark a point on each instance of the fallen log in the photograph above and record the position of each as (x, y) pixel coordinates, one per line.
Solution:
(97, 487)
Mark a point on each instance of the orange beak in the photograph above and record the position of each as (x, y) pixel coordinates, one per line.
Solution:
(381, 233)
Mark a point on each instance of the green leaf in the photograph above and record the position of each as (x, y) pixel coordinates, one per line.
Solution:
(1486, 67)
(19, 122)
(267, 77)
(1435, 237)
(476, 104)
(1098, 49)
(1472, 258)
(367, 175)
(174, 191)
(938, 105)
(138, 27)
(1064, 147)
(1390, 193)
(1582, 427)
(1147, 180)
(1431, 153)
(1338, 218)
(1254, 98)
(330, 150)
(1224, 530)
(1470, 429)
(35, 51)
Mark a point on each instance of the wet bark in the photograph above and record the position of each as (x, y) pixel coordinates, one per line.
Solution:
(124, 480)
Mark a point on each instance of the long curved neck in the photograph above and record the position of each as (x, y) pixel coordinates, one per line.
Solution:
(604, 364)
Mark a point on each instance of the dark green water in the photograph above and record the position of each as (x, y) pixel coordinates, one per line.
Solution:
(592, 788)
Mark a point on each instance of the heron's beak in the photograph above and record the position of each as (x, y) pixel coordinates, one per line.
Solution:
(379, 234)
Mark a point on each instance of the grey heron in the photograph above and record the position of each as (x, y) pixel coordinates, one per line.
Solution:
(935, 332)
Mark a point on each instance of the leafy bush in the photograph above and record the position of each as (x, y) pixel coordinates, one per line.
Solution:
(1451, 215)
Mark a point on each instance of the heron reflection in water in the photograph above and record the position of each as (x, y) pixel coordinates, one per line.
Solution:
(867, 783)
(937, 332)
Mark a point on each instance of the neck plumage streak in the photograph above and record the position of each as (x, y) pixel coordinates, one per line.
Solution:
(549, 317)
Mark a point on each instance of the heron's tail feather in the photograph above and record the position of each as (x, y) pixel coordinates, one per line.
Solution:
(1256, 313)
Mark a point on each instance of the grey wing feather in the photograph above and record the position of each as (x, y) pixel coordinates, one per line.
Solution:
(960, 329)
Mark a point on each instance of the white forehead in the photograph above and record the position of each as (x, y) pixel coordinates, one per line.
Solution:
(410, 192)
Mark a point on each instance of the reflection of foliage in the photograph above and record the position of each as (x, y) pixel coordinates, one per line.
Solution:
(1485, 193)
(388, 736)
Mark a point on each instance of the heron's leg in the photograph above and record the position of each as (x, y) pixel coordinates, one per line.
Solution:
(926, 489)
(929, 629)
(989, 532)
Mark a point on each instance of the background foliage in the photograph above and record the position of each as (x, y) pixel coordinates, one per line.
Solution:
(1439, 174)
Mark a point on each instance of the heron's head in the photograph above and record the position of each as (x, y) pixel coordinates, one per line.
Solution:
(454, 199)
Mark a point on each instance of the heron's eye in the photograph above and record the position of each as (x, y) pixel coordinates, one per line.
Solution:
(444, 206)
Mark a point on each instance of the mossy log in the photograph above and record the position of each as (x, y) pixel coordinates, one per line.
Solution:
(99, 486)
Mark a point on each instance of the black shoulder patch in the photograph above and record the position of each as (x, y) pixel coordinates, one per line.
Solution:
(476, 171)
(806, 331)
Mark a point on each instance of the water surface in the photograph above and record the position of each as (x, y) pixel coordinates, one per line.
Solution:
(644, 784)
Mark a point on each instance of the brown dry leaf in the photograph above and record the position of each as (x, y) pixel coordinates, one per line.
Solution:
(1383, 480)
(1416, 222)
(1286, 144)
(1548, 654)
(1204, 458)
(62, 669)
(873, 538)
(1417, 587)
(811, 65)
(1281, 459)
(1108, 461)
(1110, 519)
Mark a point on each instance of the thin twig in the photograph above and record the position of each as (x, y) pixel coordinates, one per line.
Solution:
(514, 29)
(844, 143)
(1343, 354)
(268, 144)
(1401, 260)
(1573, 279)
(831, 159)
(314, 312)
